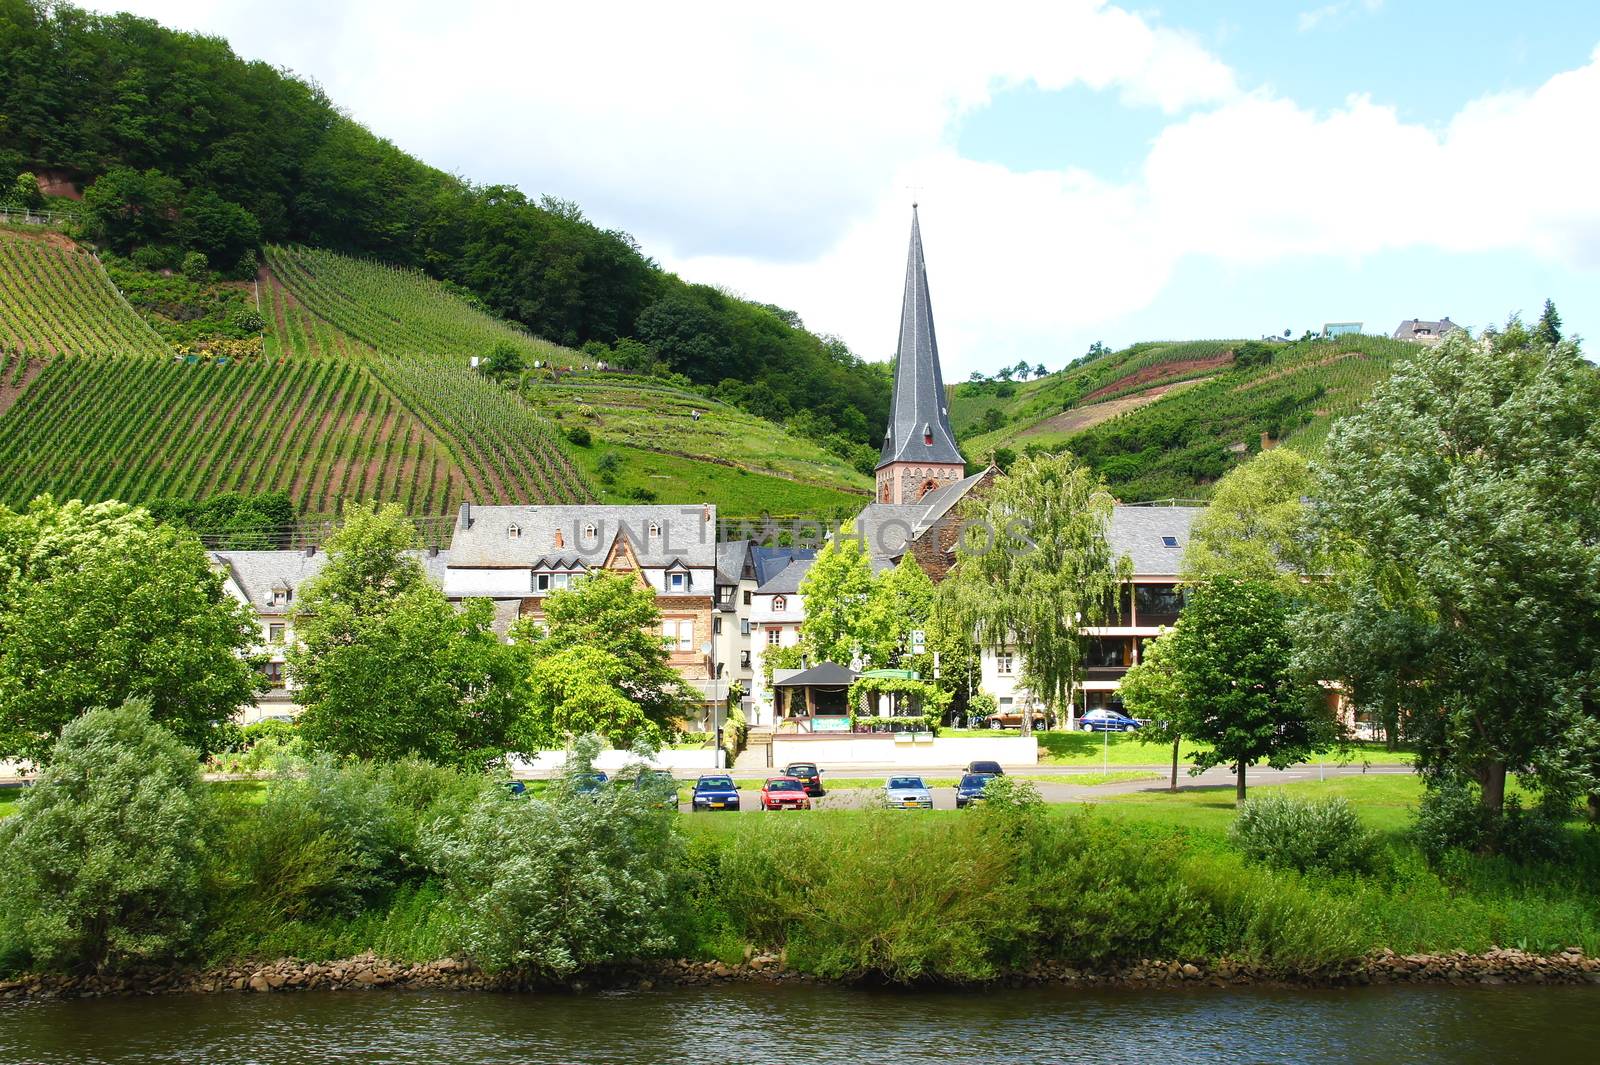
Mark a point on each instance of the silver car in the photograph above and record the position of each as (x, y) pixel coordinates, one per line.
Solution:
(907, 793)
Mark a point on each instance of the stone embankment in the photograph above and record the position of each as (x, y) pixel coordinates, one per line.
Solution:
(369, 972)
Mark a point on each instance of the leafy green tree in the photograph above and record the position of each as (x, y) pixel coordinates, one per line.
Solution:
(223, 231)
(1460, 512)
(386, 667)
(1548, 329)
(100, 867)
(126, 208)
(99, 603)
(1033, 568)
(607, 629)
(1255, 525)
(1230, 682)
(836, 590)
(504, 361)
(25, 191)
(1152, 691)
(901, 602)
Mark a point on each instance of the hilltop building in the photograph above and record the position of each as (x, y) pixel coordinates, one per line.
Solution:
(1419, 331)
(919, 453)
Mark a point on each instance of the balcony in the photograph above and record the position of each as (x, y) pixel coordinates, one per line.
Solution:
(1104, 672)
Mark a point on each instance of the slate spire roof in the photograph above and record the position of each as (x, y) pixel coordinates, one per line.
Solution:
(919, 424)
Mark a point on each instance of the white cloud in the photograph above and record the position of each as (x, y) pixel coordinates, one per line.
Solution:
(1310, 20)
(771, 149)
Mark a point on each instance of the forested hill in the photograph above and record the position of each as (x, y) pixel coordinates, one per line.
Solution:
(179, 146)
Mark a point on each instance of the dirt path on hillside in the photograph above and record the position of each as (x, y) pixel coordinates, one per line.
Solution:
(10, 395)
(1159, 371)
(1080, 418)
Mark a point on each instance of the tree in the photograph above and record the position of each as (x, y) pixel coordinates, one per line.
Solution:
(1033, 568)
(127, 208)
(1255, 525)
(1152, 692)
(100, 866)
(1231, 683)
(605, 627)
(836, 590)
(901, 602)
(25, 191)
(1039, 370)
(504, 360)
(1460, 512)
(223, 231)
(1022, 369)
(1548, 331)
(100, 603)
(386, 667)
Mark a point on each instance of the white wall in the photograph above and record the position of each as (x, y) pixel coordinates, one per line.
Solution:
(890, 750)
(494, 583)
(549, 762)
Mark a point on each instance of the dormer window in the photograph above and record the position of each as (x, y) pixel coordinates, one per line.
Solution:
(280, 597)
(655, 530)
(677, 582)
(513, 531)
(589, 531)
(927, 434)
(780, 603)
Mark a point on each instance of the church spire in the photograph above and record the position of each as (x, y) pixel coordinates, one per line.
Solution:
(919, 424)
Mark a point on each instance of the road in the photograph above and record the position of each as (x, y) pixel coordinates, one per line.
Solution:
(1060, 790)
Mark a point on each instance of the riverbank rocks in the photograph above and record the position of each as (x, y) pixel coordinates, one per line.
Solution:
(369, 972)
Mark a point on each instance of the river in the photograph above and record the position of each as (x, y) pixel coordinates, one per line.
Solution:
(813, 1025)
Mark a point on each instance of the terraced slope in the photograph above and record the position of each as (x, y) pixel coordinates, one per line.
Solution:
(1179, 441)
(55, 299)
(133, 429)
(399, 312)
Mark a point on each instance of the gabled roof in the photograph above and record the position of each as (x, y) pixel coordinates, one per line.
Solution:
(564, 563)
(768, 562)
(732, 557)
(822, 675)
(258, 573)
(480, 535)
(1138, 533)
(919, 423)
(1412, 328)
(787, 581)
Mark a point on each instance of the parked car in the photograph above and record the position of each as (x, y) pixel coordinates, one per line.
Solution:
(907, 793)
(808, 774)
(991, 768)
(659, 786)
(971, 789)
(784, 793)
(1107, 721)
(1011, 718)
(714, 791)
(590, 784)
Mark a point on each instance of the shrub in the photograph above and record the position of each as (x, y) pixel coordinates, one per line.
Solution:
(100, 867)
(579, 436)
(196, 267)
(560, 884)
(1450, 817)
(1290, 833)
(609, 462)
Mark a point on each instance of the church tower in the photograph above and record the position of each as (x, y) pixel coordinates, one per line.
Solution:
(919, 451)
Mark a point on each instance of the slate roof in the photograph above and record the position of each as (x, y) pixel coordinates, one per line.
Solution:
(259, 572)
(771, 561)
(1137, 533)
(482, 534)
(886, 528)
(918, 406)
(821, 675)
(1413, 328)
(731, 557)
(787, 580)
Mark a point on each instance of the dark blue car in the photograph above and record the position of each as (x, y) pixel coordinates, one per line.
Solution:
(1107, 721)
(971, 789)
(714, 792)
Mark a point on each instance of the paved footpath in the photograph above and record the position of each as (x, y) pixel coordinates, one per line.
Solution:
(1060, 789)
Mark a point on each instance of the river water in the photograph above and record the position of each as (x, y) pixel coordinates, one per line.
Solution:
(819, 1026)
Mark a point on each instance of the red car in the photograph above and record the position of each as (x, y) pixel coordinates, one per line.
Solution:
(784, 793)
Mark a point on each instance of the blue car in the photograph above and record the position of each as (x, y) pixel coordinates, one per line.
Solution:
(714, 791)
(591, 783)
(971, 789)
(1107, 721)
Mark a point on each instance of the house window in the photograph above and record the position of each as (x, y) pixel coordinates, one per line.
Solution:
(725, 595)
(1002, 664)
(1169, 541)
(513, 531)
(716, 626)
(1106, 653)
(747, 597)
(744, 626)
(589, 531)
(541, 582)
(275, 632)
(677, 582)
(679, 634)
(273, 672)
(655, 530)
(280, 596)
(744, 659)
(774, 635)
(780, 603)
(1157, 604)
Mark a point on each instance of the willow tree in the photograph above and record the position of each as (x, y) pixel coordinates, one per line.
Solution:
(1034, 568)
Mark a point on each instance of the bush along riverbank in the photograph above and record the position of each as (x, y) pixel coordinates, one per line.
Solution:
(121, 872)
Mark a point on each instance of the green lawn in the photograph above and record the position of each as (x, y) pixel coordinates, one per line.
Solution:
(8, 800)
(1059, 747)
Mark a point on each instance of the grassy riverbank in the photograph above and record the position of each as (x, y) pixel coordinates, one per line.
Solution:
(415, 864)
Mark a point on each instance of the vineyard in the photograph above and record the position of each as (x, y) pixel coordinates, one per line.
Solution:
(400, 312)
(55, 300)
(133, 429)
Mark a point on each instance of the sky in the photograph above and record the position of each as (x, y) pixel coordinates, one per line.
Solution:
(1085, 171)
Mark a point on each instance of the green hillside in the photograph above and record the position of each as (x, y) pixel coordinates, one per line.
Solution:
(747, 464)
(55, 299)
(1166, 420)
